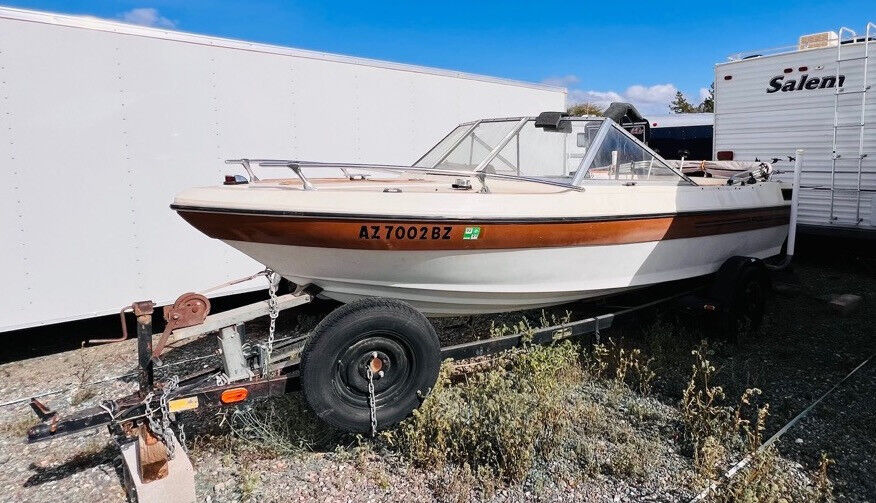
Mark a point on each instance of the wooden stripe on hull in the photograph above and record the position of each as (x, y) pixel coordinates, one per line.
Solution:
(385, 234)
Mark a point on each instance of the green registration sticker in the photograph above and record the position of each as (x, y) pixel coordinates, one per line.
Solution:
(471, 233)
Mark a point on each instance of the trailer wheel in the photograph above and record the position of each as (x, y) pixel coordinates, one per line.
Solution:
(744, 313)
(389, 336)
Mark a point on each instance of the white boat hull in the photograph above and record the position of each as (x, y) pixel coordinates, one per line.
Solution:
(462, 282)
(522, 245)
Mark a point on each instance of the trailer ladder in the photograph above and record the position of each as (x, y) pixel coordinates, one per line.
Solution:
(860, 125)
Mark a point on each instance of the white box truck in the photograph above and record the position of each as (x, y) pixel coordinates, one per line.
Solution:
(103, 122)
(815, 96)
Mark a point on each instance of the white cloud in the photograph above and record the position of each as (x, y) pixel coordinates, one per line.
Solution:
(659, 94)
(704, 93)
(649, 100)
(601, 98)
(146, 16)
(564, 81)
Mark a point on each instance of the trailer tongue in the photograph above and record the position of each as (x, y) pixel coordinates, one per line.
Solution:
(198, 389)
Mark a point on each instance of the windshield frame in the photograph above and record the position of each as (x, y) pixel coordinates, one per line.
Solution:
(577, 181)
(607, 125)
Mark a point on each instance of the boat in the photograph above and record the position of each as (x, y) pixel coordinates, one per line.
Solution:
(500, 215)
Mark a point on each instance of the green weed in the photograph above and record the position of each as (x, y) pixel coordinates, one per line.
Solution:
(497, 422)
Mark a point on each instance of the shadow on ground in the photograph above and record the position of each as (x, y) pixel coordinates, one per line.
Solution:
(80, 462)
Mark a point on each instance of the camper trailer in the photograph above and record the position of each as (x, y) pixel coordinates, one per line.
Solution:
(814, 96)
(682, 135)
(673, 136)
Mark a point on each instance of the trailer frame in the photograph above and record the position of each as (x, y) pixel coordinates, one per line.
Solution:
(205, 387)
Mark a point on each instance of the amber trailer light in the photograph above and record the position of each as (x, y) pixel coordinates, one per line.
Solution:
(234, 395)
(181, 404)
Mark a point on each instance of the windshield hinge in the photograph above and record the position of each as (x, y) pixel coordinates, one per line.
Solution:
(482, 178)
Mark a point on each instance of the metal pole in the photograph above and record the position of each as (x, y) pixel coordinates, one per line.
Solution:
(792, 222)
(614, 165)
(499, 146)
(864, 88)
(146, 377)
(795, 199)
(453, 147)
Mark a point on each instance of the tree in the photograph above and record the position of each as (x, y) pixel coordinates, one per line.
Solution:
(585, 109)
(680, 105)
(708, 104)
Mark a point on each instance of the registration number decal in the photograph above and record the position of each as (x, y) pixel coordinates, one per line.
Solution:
(407, 232)
(471, 233)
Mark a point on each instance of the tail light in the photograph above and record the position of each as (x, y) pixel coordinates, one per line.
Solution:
(724, 155)
(234, 395)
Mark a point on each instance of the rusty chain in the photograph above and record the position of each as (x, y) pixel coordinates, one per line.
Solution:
(273, 313)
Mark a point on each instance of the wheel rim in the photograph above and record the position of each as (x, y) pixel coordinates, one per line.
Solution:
(383, 351)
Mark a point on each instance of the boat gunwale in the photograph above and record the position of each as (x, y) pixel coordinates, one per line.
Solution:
(473, 219)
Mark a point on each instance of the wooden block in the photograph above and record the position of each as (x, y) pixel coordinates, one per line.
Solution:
(178, 485)
(151, 455)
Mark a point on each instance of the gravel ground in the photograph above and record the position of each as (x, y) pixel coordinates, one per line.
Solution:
(807, 349)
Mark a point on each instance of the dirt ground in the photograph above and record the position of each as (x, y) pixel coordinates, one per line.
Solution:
(803, 348)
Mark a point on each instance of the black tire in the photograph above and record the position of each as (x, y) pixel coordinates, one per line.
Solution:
(333, 377)
(744, 313)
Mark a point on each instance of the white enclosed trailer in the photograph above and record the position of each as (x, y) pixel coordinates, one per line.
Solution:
(103, 122)
(815, 96)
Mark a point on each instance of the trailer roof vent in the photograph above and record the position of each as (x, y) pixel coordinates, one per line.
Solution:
(818, 40)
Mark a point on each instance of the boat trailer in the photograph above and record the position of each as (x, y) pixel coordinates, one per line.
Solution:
(155, 464)
(141, 423)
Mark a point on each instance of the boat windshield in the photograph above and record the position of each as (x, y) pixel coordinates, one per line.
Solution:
(617, 155)
(577, 150)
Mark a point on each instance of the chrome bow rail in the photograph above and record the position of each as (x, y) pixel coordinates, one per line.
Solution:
(296, 167)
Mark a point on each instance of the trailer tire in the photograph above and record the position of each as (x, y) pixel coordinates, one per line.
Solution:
(335, 359)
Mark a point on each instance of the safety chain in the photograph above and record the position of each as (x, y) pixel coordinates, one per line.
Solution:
(182, 435)
(162, 427)
(371, 403)
(273, 312)
(166, 432)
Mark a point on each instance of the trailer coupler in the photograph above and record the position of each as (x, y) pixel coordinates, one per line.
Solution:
(52, 426)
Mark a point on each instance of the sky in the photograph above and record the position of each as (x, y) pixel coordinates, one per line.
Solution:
(641, 52)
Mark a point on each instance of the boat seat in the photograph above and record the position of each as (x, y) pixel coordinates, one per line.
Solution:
(702, 180)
